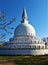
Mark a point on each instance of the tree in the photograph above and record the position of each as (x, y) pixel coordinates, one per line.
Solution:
(5, 26)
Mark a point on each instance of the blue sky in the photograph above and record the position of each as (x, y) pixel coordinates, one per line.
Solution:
(37, 11)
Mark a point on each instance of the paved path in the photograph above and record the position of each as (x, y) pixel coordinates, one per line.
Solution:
(4, 62)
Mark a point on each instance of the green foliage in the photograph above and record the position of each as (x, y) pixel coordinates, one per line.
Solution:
(26, 60)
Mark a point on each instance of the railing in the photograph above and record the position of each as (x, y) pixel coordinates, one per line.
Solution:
(33, 47)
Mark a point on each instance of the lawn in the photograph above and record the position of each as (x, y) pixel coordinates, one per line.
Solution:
(24, 60)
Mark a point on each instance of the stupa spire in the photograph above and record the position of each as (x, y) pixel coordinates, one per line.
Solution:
(24, 16)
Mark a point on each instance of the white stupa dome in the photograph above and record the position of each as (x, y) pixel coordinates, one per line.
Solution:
(24, 28)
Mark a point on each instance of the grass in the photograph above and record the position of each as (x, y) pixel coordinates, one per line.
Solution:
(25, 60)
